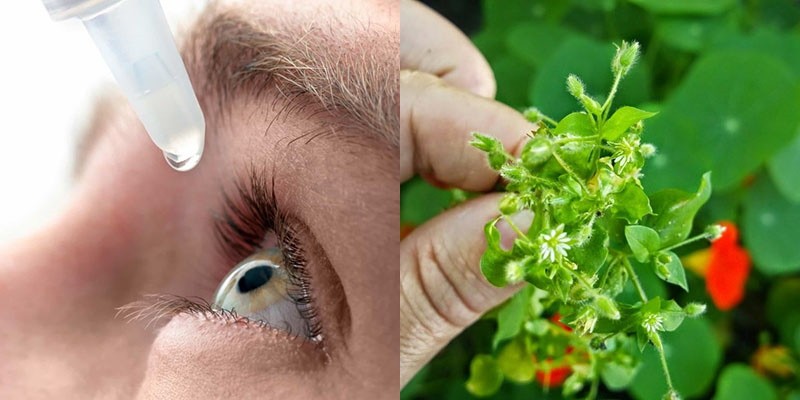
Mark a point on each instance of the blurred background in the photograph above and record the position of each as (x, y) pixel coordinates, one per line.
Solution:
(725, 76)
(49, 79)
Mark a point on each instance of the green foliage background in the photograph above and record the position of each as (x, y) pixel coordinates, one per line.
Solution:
(725, 76)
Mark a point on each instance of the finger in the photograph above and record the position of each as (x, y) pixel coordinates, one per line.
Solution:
(442, 290)
(436, 121)
(431, 44)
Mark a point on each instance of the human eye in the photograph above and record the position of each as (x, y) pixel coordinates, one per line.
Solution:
(271, 284)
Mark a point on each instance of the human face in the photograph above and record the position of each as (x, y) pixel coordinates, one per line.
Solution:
(301, 104)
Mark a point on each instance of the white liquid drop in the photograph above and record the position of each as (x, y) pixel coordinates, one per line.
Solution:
(180, 163)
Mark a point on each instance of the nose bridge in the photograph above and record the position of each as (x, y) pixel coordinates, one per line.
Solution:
(80, 250)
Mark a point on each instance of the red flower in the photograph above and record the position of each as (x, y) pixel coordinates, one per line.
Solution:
(556, 319)
(554, 373)
(728, 269)
(552, 376)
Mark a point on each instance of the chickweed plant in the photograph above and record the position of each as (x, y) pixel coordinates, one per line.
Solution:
(593, 228)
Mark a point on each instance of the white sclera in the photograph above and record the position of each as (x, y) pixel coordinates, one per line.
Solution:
(266, 301)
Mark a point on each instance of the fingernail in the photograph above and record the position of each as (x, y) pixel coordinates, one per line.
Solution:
(522, 220)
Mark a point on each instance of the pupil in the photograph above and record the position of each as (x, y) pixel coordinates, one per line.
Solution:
(254, 278)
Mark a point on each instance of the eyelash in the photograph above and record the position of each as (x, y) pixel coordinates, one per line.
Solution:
(241, 230)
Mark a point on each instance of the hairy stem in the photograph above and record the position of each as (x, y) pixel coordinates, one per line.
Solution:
(635, 278)
(611, 94)
(664, 365)
(687, 241)
(515, 228)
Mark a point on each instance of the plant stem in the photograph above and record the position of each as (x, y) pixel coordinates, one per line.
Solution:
(611, 94)
(569, 170)
(515, 228)
(664, 365)
(687, 241)
(549, 120)
(635, 278)
(593, 389)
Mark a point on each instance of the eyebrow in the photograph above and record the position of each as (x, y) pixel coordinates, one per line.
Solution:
(356, 82)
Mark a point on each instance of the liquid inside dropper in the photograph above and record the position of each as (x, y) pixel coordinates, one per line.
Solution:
(175, 124)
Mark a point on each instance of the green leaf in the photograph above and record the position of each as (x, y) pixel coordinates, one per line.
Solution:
(577, 123)
(500, 16)
(740, 382)
(675, 272)
(485, 376)
(515, 362)
(712, 121)
(420, 201)
(770, 229)
(536, 41)
(581, 56)
(765, 40)
(512, 81)
(643, 241)
(784, 169)
(591, 256)
(511, 316)
(617, 376)
(674, 211)
(693, 358)
(699, 7)
(673, 315)
(494, 259)
(623, 118)
(631, 204)
(694, 33)
(782, 310)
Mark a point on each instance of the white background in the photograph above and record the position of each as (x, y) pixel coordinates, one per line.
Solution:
(50, 72)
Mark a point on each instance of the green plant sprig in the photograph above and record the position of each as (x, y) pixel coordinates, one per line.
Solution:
(580, 178)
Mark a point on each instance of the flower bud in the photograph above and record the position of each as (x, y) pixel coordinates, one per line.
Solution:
(532, 114)
(647, 150)
(573, 385)
(694, 309)
(616, 277)
(510, 204)
(662, 265)
(626, 56)
(575, 86)
(536, 152)
(515, 272)
(607, 307)
(714, 232)
(598, 343)
(671, 395)
(591, 105)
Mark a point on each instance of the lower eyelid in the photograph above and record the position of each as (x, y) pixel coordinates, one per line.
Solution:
(208, 343)
(155, 309)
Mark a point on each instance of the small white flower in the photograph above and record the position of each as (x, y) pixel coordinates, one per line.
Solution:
(554, 244)
(625, 150)
(585, 323)
(652, 323)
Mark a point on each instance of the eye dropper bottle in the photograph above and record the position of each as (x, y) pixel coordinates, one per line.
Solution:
(134, 38)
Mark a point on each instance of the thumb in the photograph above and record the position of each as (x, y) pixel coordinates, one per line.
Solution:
(442, 290)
